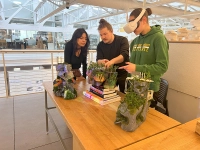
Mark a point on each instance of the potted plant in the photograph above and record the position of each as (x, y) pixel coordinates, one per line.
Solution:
(111, 77)
(63, 85)
(90, 69)
(132, 111)
(96, 74)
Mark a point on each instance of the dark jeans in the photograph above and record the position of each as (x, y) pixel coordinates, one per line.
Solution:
(121, 81)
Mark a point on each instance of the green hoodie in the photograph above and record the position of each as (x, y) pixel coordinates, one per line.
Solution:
(150, 54)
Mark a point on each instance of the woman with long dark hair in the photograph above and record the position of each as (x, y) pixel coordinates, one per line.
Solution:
(76, 51)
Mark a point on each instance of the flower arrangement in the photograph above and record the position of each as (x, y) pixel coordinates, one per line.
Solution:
(63, 84)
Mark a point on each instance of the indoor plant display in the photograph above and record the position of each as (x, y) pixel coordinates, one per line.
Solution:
(90, 69)
(132, 111)
(63, 84)
(96, 74)
(111, 77)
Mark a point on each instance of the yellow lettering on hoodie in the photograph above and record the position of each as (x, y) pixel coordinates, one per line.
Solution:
(146, 47)
(141, 47)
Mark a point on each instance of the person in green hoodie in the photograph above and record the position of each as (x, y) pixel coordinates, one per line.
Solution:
(149, 50)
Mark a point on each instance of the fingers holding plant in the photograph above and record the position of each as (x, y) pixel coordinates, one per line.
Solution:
(103, 61)
(109, 63)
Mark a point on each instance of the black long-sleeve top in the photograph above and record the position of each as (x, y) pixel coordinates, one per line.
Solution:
(71, 58)
(119, 46)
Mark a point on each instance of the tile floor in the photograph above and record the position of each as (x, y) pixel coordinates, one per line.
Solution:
(23, 127)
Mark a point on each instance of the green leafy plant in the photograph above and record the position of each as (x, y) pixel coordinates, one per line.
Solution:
(111, 80)
(112, 68)
(134, 101)
(99, 76)
(133, 109)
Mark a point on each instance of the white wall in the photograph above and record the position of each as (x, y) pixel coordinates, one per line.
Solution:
(183, 76)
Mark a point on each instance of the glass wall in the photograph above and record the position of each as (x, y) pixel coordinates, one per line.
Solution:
(23, 39)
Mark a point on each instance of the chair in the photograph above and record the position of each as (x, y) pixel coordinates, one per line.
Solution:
(160, 97)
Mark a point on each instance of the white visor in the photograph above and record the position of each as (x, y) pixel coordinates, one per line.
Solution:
(131, 26)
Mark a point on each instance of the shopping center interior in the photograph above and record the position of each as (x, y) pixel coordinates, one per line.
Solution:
(33, 34)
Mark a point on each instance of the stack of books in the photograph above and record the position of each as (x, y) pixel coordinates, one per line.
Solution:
(101, 95)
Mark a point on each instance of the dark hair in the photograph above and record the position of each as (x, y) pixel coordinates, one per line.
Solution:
(136, 12)
(104, 24)
(77, 34)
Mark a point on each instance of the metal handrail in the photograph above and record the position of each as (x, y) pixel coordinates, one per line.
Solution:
(33, 51)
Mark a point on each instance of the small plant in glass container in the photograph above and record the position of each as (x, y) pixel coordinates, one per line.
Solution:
(111, 77)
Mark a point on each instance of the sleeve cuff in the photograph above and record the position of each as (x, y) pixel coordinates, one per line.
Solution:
(139, 68)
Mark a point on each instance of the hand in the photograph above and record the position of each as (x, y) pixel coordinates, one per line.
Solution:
(109, 63)
(130, 67)
(103, 61)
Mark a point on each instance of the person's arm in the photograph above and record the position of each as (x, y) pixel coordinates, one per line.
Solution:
(124, 53)
(118, 59)
(162, 58)
(67, 53)
(84, 68)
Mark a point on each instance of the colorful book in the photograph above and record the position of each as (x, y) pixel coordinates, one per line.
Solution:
(102, 92)
(101, 88)
(103, 95)
(101, 100)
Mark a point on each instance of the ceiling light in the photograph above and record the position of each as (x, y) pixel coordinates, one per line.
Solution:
(17, 2)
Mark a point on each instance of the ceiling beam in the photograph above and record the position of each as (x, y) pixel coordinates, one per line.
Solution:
(195, 14)
(52, 13)
(54, 3)
(32, 27)
(190, 2)
(2, 17)
(1, 4)
(98, 17)
(40, 4)
(16, 12)
(59, 9)
(123, 4)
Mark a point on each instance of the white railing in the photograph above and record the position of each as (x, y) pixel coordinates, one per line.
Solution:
(24, 71)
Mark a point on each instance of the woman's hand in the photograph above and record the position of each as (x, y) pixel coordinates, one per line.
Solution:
(130, 67)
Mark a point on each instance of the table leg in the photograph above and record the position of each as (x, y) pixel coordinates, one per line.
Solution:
(76, 144)
(57, 131)
(46, 108)
(48, 117)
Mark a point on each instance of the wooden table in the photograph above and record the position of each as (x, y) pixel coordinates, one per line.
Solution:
(182, 137)
(92, 125)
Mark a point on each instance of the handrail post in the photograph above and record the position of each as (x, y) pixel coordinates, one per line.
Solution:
(52, 72)
(5, 74)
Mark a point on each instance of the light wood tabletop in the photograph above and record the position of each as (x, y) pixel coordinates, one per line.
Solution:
(182, 137)
(92, 125)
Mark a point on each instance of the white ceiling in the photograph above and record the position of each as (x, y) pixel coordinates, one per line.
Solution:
(38, 14)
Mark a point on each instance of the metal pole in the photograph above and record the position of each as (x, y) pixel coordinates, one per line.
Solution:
(52, 72)
(46, 108)
(5, 74)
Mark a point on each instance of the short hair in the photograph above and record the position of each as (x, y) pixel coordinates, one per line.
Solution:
(77, 34)
(104, 24)
(136, 12)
